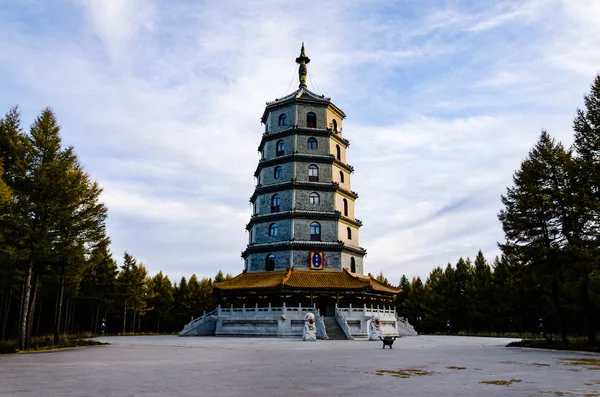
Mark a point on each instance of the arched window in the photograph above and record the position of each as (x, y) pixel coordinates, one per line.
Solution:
(315, 231)
(277, 172)
(352, 265)
(338, 152)
(280, 150)
(345, 207)
(349, 231)
(275, 203)
(341, 176)
(311, 120)
(312, 144)
(313, 173)
(273, 229)
(282, 119)
(313, 198)
(334, 125)
(270, 263)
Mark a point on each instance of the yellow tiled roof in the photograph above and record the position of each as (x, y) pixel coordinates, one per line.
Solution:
(257, 280)
(304, 279)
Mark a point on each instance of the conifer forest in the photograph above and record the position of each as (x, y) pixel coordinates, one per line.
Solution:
(58, 275)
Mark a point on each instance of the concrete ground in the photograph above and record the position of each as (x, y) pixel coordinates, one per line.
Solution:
(209, 366)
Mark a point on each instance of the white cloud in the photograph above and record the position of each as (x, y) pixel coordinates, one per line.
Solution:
(162, 102)
(117, 24)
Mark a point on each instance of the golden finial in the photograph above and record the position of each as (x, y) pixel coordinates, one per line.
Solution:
(302, 71)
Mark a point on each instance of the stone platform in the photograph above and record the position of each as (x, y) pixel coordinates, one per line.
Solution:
(285, 321)
(419, 366)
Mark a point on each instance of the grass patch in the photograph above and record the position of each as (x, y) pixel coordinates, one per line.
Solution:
(556, 345)
(501, 382)
(404, 373)
(531, 364)
(589, 363)
(43, 343)
(584, 393)
(484, 334)
(8, 347)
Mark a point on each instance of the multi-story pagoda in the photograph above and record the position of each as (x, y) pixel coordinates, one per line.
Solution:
(303, 203)
(303, 248)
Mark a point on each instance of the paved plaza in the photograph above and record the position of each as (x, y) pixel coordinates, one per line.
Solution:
(209, 366)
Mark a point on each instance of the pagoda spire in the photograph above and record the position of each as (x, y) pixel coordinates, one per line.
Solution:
(302, 60)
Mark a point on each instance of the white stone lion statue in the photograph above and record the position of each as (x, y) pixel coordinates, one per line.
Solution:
(375, 327)
(310, 328)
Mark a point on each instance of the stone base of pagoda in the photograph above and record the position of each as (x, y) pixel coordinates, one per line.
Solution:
(283, 321)
(266, 321)
(360, 320)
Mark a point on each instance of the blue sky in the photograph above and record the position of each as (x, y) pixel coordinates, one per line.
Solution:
(162, 101)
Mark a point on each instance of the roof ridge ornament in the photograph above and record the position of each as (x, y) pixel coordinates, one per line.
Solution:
(302, 60)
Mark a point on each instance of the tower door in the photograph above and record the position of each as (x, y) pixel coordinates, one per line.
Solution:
(326, 306)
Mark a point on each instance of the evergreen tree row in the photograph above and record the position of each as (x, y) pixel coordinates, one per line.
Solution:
(473, 297)
(57, 274)
(548, 278)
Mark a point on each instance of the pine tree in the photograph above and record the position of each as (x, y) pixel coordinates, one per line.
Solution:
(68, 219)
(482, 294)
(161, 299)
(437, 296)
(586, 244)
(535, 218)
(139, 295)
(207, 301)
(14, 221)
(402, 297)
(415, 302)
(5, 192)
(180, 314)
(382, 279)
(99, 282)
(219, 278)
(61, 213)
(462, 289)
(125, 282)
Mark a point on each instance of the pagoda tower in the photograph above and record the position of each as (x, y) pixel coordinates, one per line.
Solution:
(303, 258)
(303, 206)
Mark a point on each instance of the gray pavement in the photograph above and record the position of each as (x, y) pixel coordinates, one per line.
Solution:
(209, 366)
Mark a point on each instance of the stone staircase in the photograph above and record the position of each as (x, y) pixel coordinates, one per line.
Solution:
(334, 331)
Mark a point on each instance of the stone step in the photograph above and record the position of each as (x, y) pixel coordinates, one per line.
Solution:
(334, 331)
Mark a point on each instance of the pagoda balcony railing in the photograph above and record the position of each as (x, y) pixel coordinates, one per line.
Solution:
(296, 213)
(297, 156)
(296, 182)
(300, 244)
(274, 187)
(307, 156)
(283, 132)
(338, 243)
